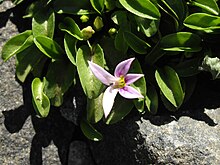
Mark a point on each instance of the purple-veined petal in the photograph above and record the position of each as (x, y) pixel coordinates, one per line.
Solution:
(130, 78)
(123, 67)
(130, 92)
(101, 74)
(109, 99)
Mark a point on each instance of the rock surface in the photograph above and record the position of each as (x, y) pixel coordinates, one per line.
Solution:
(25, 139)
(188, 137)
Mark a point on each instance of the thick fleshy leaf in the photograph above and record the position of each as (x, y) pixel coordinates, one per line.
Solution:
(94, 109)
(60, 76)
(145, 9)
(188, 68)
(70, 47)
(123, 67)
(181, 41)
(120, 18)
(119, 42)
(108, 100)
(177, 9)
(26, 60)
(40, 101)
(49, 47)
(43, 23)
(202, 21)
(16, 2)
(89, 131)
(154, 55)
(139, 85)
(91, 85)
(77, 7)
(69, 25)
(112, 55)
(33, 8)
(17, 44)
(121, 108)
(147, 26)
(169, 83)
(137, 44)
(151, 100)
(209, 6)
(98, 5)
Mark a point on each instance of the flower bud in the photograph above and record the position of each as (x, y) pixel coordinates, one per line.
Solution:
(87, 32)
(84, 18)
(98, 23)
(112, 31)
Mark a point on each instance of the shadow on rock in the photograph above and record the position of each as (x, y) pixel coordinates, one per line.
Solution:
(55, 128)
(15, 15)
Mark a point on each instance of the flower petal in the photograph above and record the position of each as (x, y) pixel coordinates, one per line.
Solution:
(130, 93)
(108, 100)
(123, 67)
(130, 78)
(101, 74)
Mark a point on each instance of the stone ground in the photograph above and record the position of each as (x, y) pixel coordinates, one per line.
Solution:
(188, 137)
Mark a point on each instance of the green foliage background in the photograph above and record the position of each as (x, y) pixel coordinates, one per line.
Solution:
(172, 41)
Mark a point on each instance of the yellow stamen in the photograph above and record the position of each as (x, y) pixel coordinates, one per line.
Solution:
(120, 83)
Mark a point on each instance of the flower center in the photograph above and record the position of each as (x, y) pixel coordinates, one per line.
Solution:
(120, 83)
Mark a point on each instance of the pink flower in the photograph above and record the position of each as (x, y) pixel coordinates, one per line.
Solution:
(118, 83)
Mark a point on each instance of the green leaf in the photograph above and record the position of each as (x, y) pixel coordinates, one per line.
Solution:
(77, 7)
(120, 18)
(209, 6)
(40, 101)
(70, 26)
(148, 27)
(154, 55)
(202, 21)
(139, 85)
(94, 109)
(112, 55)
(120, 109)
(43, 23)
(16, 2)
(145, 9)
(151, 100)
(98, 5)
(70, 47)
(212, 65)
(17, 44)
(168, 105)
(91, 85)
(177, 9)
(60, 76)
(181, 41)
(188, 68)
(120, 43)
(49, 47)
(26, 60)
(169, 83)
(89, 131)
(137, 44)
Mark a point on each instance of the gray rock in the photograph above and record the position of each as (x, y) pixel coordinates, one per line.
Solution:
(190, 136)
(21, 142)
